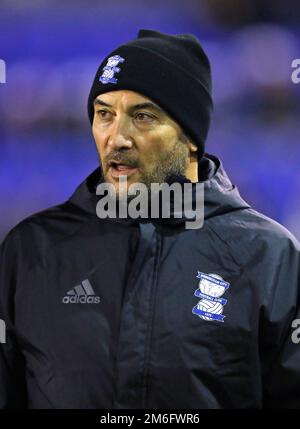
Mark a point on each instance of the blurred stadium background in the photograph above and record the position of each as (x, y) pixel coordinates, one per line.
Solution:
(52, 49)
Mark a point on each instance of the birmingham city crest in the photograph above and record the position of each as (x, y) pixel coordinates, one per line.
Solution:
(210, 289)
(110, 69)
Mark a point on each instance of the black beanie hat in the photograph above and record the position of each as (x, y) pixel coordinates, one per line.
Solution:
(173, 71)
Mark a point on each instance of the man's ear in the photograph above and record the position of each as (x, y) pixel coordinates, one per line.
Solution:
(192, 147)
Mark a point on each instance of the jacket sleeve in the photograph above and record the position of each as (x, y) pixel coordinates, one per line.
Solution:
(279, 336)
(12, 367)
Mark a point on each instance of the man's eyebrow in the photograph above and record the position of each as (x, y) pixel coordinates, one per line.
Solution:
(101, 103)
(147, 105)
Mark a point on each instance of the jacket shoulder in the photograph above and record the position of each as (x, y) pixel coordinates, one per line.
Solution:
(45, 228)
(251, 235)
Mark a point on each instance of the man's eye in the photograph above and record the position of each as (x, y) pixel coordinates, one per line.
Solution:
(144, 117)
(103, 114)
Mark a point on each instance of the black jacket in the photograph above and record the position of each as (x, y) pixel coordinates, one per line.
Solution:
(110, 313)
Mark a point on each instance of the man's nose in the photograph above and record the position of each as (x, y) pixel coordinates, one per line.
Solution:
(120, 135)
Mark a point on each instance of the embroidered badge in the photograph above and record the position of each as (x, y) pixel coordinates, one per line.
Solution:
(211, 287)
(110, 69)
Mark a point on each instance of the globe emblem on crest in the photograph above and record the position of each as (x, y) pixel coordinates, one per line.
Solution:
(211, 289)
(114, 61)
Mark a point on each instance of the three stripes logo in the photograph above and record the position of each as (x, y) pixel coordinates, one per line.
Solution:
(81, 294)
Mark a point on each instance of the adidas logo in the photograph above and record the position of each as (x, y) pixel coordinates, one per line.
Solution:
(81, 294)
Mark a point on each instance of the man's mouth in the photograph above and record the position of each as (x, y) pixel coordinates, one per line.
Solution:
(117, 169)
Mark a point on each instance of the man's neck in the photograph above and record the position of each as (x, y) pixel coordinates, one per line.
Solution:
(192, 171)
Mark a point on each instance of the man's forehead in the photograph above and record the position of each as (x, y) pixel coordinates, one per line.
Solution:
(126, 96)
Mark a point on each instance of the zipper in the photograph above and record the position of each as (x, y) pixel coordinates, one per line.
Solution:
(148, 244)
(151, 312)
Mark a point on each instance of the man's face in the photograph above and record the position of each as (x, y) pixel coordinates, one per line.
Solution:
(136, 138)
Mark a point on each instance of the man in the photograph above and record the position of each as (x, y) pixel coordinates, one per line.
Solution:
(143, 312)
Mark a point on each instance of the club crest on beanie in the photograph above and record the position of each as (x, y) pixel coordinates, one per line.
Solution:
(172, 70)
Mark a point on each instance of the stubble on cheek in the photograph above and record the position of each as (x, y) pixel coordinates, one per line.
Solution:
(173, 161)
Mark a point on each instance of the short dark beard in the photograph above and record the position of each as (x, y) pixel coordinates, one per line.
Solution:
(174, 162)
